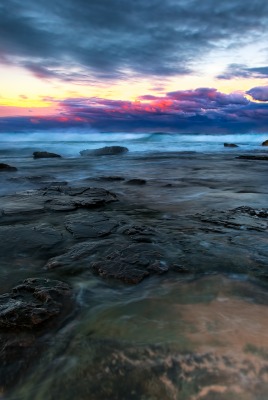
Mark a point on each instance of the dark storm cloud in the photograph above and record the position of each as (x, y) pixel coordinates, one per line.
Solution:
(108, 38)
(259, 93)
(208, 97)
(200, 110)
(242, 71)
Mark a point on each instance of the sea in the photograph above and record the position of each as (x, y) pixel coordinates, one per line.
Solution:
(70, 142)
(171, 337)
(16, 149)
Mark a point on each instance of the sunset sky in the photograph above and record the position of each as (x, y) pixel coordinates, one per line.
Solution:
(134, 65)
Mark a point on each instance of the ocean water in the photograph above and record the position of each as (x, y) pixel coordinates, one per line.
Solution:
(70, 142)
(176, 336)
(162, 149)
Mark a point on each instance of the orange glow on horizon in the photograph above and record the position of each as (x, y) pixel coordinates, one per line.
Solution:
(23, 94)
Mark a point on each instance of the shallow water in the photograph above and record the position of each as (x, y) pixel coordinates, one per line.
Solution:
(155, 334)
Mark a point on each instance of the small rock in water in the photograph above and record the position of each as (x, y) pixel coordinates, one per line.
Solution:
(251, 157)
(6, 167)
(105, 151)
(45, 154)
(265, 143)
(111, 178)
(230, 145)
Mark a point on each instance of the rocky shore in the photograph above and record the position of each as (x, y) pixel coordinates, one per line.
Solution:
(131, 220)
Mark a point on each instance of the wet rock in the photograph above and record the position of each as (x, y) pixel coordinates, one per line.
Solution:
(25, 313)
(131, 264)
(32, 303)
(230, 145)
(7, 168)
(54, 198)
(79, 256)
(105, 151)
(138, 233)
(51, 184)
(136, 182)
(27, 240)
(90, 226)
(261, 213)
(240, 218)
(28, 202)
(251, 157)
(68, 199)
(117, 259)
(60, 204)
(45, 154)
(180, 269)
(265, 143)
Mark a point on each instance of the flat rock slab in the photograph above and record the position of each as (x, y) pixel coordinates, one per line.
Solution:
(128, 262)
(241, 218)
(79, 256)
(67, 199)
(29, 237)
(90, 226)
(55, 198)
(22, 203)
(138, 233)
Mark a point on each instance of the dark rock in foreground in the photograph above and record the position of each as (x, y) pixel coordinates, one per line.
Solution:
(105, 151)
(25, 239)
(265, 143)
(32, 303)
(230, 145)
(251, 157)
(5, 167)
(261, 213)
(25, 314)
(45, 154)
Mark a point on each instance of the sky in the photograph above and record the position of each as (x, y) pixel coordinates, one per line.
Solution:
(125, 65)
